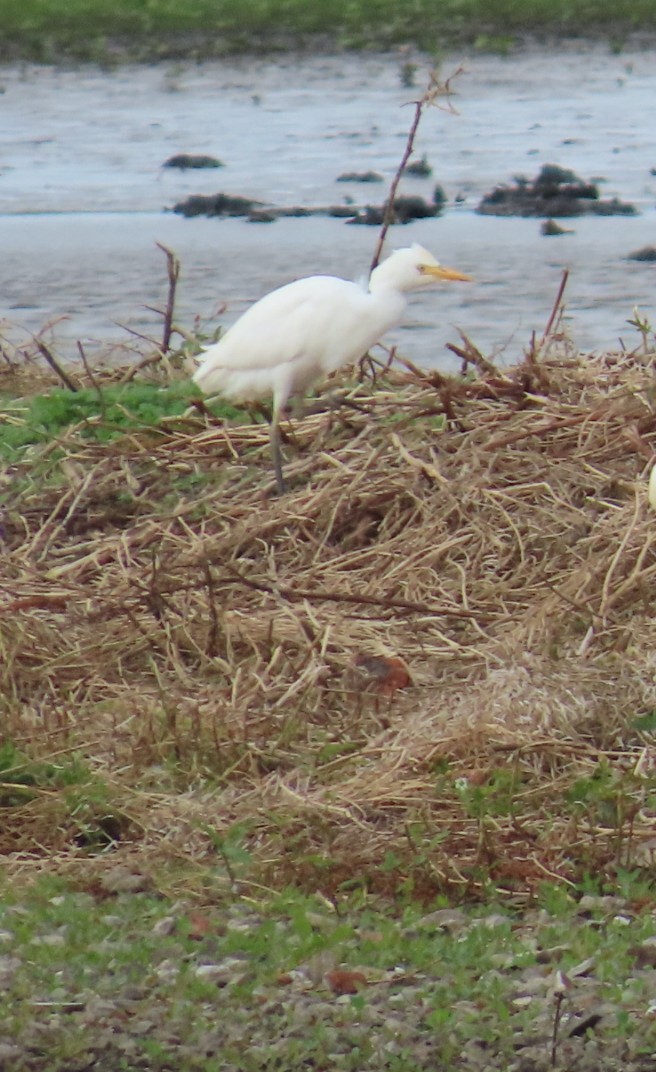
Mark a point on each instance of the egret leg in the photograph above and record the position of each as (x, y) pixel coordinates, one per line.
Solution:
(276, 454)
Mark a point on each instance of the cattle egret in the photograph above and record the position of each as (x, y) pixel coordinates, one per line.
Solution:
(306, 329)
(651, 494)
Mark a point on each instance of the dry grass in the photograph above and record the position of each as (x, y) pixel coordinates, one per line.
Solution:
(214, 653)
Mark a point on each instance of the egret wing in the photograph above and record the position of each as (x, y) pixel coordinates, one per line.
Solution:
(299, 325)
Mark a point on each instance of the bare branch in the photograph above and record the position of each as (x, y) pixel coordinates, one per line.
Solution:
(435, 93)
(173, 273)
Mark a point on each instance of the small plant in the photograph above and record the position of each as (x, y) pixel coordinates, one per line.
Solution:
(229, 846)
(610, 799)
(21, 777)
(495, 797)
(645, 329)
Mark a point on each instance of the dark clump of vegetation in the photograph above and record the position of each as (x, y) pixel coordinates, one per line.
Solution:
(404, 209)
(191, 161)
(95, 30)
(217, 205)
(555, 191)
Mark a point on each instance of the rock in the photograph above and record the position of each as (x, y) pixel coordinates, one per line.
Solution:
(555, 191)
(583, 968)
(133, 992)
(446, 919)
(54, 940)
(124, 880)
(188, 160)
(228, 971)
(591, 902)
(9, 1053)
(164, 926)
(167, 970)
(553, 953)
(495, 919)
(8, 967)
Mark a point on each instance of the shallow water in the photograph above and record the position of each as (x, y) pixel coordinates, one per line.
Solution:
(82, 190)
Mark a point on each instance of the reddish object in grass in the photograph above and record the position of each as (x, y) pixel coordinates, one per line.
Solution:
(386, 673)
(341, 981)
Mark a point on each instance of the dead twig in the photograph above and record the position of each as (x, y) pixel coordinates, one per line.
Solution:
(48, 355)
(299, 594)
(173, 275)
(435, 93)
(94, 381)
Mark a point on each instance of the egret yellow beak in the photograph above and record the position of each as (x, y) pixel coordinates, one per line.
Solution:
(438, 271)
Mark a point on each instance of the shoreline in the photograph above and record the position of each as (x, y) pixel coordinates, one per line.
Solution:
(46, 45)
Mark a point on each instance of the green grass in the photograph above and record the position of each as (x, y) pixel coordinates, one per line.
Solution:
(81, 801)
(21, 777)
(89, 29)
(98, 415)
(202, 988)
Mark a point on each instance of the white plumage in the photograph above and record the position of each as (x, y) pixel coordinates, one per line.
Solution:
(306, 329)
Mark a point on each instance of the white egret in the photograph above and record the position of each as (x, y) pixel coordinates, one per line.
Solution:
(306, 329)
(651, 494)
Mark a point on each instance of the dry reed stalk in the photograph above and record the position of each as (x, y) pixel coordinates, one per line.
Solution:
(506, 555)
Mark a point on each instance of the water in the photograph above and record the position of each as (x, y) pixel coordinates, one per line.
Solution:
(82, 191)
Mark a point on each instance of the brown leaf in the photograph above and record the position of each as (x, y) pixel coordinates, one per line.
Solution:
(475, 775)
(199, 925)
(341, 981)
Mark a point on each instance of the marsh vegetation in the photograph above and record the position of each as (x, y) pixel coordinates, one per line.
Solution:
(93, 30)
(258, 739)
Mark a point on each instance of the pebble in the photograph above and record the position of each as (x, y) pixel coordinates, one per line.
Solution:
(165, 926)
(598, 903)
(227, 971)
(491, 921)
(124, 880)
(448, 919)
(9, 1052)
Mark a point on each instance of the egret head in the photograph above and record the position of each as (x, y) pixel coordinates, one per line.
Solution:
(411, 269)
